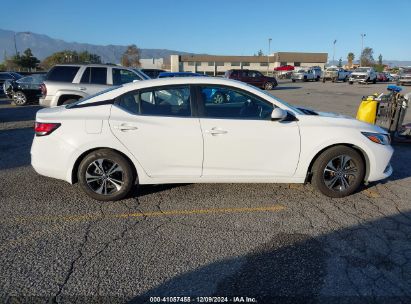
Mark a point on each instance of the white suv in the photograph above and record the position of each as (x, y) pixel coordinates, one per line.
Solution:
(363, 75)
(68, 83)
(177, 130)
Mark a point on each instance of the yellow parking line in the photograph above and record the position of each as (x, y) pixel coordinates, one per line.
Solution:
(90, 217)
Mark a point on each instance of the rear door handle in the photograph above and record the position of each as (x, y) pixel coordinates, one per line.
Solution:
(216, 131)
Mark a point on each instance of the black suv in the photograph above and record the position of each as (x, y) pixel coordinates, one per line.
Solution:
(252, 77)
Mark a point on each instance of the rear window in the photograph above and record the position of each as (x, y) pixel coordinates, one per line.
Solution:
(62, 73)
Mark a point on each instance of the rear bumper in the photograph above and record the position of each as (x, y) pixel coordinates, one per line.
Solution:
(47, 101)
(50, 156)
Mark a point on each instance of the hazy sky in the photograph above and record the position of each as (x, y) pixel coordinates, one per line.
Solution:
(232, 27)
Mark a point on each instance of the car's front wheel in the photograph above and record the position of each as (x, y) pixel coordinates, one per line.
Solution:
(338, 171)
(106, 175)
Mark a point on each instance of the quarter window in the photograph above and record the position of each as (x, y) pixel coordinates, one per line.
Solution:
(223, 102)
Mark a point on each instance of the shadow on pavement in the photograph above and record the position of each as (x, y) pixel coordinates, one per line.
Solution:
(278, 88)
(15, 147)
(14, 113)
(367, 263)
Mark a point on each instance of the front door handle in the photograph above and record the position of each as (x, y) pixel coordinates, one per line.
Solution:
(216, 131)
(83, 88)
(124, 127)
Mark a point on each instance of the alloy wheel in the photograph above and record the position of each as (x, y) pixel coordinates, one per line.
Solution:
(104, 176)
(340, 173)
(19, 98)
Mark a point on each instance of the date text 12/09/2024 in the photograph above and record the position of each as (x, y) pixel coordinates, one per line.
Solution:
(238, 299)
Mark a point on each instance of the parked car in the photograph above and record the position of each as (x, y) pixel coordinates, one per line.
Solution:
(381, 77)
(389, 76)
(170, 130)
(178, 74)
(153, 73)
(68, 83)
(285, 68)
(334, 74)
(363, 75)
(24, 90)
(404, 76)
(4, 76)
(304, 74)
(252, 77)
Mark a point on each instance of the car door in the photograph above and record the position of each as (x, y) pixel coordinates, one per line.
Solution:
(93, 80)
(240, 140)
(255, 78)
(157, 127)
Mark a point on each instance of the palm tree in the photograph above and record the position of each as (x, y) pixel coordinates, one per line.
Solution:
(350, 58)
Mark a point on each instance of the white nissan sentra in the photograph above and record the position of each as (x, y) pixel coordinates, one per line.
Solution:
(203, 130)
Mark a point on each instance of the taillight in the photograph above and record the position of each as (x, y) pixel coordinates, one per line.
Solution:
(42, 129)
(43, 89)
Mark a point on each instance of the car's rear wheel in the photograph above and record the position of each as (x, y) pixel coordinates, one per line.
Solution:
(338, 172)
(106, 175)
(268, 86)
(374, 81)
(19, 98)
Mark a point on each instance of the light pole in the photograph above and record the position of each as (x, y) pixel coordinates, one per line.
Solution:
(15, 43)
(335, 41)
(268, 55)
(362, 47)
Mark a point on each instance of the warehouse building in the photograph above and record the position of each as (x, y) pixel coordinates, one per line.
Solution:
(217, 65)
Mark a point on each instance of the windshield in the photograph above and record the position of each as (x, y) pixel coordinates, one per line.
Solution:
(300, 71)
(298, 111)
(361, 70)
(91, 96)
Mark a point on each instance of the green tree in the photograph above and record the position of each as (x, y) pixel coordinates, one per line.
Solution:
(68, 56)
(131, 57)
(380, 59)
(350, 58)
(260, 53)
(367, 58)
(27, 61)
(340, 63)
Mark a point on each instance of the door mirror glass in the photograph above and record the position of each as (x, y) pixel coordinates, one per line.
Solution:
(278, 114)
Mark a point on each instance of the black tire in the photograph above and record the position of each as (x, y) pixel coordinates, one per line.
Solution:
(268, 86)
(374, 81)
(305, 79)
(19, 99)
(102, 181)
(321, 172)
(345, 79)
(69, 101)
(350, 82)
(323, 80)
(317, 79)
(293, 80)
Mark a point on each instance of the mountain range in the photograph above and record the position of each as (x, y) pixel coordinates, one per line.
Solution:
(43, 46)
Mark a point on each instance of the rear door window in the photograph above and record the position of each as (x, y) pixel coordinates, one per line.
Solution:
(98, 75)
(62, 73)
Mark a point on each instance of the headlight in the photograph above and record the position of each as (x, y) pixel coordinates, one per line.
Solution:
(382, 139)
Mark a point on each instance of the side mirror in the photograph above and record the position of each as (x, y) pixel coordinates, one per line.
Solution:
(278, 114)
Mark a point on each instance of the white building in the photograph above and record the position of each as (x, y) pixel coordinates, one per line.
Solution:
(152, 63)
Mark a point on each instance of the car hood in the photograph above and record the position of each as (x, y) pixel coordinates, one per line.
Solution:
(335, 119)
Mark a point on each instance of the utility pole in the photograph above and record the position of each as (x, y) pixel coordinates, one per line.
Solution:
(268, 55)
(15, 44)
(335, 41)
(362, 47)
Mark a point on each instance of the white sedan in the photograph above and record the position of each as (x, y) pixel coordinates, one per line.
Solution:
(203, 130)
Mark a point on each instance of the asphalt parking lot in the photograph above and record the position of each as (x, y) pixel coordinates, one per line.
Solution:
(275, 243)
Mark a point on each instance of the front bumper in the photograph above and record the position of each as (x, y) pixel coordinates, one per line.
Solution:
(404, 80)
(380, 166)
